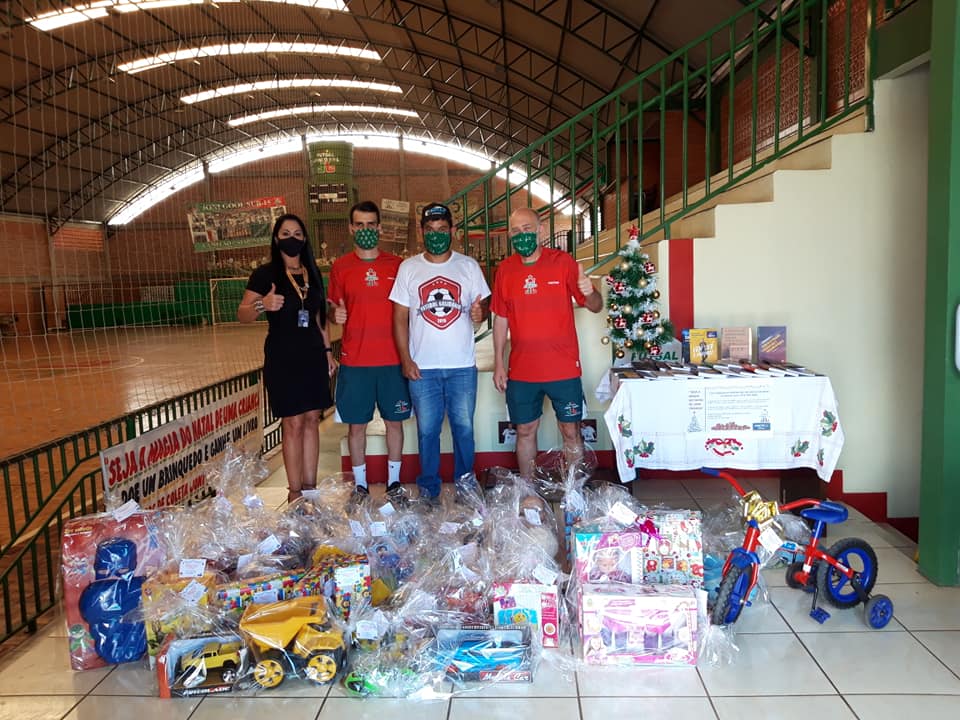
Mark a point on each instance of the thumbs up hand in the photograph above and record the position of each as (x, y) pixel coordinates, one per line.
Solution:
(271, 301)
(584, 284)
(340, 313)
(476, 310)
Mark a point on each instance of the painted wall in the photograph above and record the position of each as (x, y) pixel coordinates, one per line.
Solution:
(838, 257)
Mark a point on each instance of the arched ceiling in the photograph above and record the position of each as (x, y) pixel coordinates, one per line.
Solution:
(82, 136)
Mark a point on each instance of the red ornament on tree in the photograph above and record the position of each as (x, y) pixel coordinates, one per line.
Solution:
(619, 287)
(619, 323)
(649, 267)
(633, 232)
(647, 317)
(654, 350)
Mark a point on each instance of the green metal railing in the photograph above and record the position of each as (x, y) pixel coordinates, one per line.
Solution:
(44, 487)
(686, 129)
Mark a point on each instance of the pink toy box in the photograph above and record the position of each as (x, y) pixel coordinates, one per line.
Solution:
(528, 603)
(639, 624)
(606, 552)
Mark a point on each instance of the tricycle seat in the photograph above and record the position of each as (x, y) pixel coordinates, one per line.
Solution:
(828, 512)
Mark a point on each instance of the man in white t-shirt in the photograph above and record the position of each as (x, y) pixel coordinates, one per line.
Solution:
(437, 297)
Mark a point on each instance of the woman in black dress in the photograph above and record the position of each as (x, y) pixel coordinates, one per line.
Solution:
(297, 359)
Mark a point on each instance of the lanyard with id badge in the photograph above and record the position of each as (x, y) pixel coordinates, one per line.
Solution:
(303, 315)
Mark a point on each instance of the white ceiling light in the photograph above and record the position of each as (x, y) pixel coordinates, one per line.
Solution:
(255, 48)
(317, 109)
(279, 145)
(244, 155)
(102, 8)
(165, 188)
(286, 84)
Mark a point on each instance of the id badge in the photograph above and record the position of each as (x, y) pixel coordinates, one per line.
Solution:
(303, 318)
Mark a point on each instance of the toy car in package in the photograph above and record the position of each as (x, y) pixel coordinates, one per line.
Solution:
(502, 654)
(205, 665)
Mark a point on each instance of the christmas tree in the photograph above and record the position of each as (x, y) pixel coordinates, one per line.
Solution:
(636, 327)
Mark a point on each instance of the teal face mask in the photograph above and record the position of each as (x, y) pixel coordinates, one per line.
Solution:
(524, 243)
(366, 238)
(436, 243)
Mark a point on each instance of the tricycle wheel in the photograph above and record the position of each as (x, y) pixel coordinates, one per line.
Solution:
(878, 611)
(792, 569)
(836, 587)
(732, 596)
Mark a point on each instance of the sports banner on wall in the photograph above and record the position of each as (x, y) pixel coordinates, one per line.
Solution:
(165, 466)
(229, 224)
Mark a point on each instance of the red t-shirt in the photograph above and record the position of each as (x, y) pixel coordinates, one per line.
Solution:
(535, 300)
(364, 286)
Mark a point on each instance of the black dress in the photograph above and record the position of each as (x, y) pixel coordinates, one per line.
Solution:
(295, 368)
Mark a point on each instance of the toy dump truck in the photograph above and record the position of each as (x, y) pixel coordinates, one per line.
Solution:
(293, 637)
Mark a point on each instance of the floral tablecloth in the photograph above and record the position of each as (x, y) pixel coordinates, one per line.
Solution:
(733, 422)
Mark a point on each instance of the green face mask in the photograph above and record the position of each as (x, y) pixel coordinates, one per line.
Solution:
(436, 243)
(524, 243)
(366, 238)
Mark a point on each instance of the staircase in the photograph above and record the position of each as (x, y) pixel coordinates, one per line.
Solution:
(709, 124)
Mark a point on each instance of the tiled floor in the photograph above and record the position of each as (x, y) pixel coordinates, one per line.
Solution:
(787, 667)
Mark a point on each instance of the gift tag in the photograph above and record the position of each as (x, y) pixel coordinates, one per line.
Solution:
(387, 509)
(303, 318)
(243, 561)
(544, 575)
(367, 630)
(378, 528)
(126, 510)
(622, 514)
(311, 494)
(265, 596)
(532, 516)
(269, 546)
(192, 567)
(193, 592)
(356, 527)
(770, 540)
(449, 528)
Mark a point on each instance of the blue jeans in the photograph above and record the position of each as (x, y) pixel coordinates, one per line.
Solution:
(437, 393)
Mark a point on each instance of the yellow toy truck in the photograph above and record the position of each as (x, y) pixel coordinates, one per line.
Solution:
(293, 637)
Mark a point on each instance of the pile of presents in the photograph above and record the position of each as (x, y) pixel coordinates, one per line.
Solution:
(398, 601)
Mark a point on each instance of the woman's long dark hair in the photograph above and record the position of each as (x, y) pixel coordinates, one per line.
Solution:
(306, 260)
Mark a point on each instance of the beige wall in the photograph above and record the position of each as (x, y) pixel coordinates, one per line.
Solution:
(839, 257)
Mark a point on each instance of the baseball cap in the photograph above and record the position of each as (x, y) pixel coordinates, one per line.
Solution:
(435, 211)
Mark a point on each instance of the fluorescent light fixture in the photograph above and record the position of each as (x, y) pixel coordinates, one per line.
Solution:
(165, 188)
(102, 8)
(256, 48)
(244, 155)
(267, 147)
(70, 16)
(319, 109)
(287, 84)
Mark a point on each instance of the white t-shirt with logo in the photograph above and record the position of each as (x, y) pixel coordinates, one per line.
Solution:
(439, 296)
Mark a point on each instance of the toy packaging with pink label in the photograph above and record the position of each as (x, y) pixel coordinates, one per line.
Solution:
(638, 624)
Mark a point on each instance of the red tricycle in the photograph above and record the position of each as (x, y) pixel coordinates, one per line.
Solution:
(844, 574)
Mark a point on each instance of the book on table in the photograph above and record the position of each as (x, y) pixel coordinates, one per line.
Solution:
(704, 346)
(772, 343)
(736, 343)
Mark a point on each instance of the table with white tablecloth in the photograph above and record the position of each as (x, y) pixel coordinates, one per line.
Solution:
(745, 423)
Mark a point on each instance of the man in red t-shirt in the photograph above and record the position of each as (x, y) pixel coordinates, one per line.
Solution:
(532, 299)
(360, 285)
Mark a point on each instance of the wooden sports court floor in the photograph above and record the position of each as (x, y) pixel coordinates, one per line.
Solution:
(56, 385)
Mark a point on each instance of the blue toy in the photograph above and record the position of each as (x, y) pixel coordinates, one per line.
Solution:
(106, 601)
(844, 574)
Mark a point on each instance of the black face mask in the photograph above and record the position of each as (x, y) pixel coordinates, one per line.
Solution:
(290, 246)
